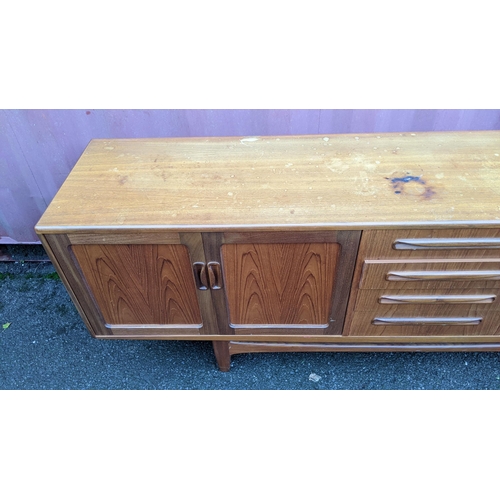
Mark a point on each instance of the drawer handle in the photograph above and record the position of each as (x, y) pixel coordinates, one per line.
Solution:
(442, 275)
(214, 275)
(431, 299)
(425, 321)
(446, 243)
(200, 275)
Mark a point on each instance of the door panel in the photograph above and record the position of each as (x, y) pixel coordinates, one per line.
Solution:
(141, 284)
(279, 284)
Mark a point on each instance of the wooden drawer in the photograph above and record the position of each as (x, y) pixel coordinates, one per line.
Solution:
(369, 323)
(431, 243)
(431, 274)
(421, 303)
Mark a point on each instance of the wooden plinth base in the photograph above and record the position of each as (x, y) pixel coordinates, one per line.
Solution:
(225, 349)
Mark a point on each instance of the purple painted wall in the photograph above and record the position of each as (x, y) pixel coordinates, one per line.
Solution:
(38, 148)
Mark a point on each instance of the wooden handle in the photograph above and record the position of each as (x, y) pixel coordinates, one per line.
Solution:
(200, 275)
(431, 299)
(445, 243)
(425, 321)
(442, 275)
(214, 275)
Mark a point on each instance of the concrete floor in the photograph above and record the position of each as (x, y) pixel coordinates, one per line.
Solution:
(47, 346)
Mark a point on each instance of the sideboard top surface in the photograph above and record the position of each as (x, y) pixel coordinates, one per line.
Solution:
(327, 181)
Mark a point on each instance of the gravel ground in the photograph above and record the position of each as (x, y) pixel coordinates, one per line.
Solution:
(45, 345)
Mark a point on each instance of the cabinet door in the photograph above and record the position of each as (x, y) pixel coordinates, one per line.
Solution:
(144, 289)
(141, 284)
(287, 283)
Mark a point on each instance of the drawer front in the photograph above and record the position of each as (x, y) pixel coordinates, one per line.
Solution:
(370, 323)
(449, 274)
(431, 243)
(421, 303)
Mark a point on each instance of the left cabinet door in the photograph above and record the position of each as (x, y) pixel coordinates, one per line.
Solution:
(146, 289)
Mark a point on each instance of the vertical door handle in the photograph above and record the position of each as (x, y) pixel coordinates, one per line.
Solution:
(214, 275)
(200, 275)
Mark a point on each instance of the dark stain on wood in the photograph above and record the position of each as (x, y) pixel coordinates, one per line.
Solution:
(412, 185)
(159, 170)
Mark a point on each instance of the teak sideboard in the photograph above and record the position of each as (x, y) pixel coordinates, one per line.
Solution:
(368, 242)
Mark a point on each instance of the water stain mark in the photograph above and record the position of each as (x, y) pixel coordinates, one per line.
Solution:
(160, 170)
(411, 185)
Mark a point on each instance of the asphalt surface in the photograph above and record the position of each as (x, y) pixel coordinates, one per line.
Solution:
(44, 344)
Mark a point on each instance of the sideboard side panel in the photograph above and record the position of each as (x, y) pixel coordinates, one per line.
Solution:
(57, 247)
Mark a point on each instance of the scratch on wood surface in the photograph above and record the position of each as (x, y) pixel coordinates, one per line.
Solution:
(248, 139)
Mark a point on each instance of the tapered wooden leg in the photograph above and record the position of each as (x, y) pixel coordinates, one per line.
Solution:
(221, 351)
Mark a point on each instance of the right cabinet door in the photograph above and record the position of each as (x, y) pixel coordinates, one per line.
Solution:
(289, 283)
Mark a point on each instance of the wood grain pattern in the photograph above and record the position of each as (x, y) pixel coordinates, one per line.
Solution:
(279, 284)
(194, 242)
(348, 241)
(368, 301)
(359, 337)
(277, 212)
(362, 325)
(288, 182)
(211, 244)
(431, 274)
(141, 284)
(452, 302)
(349, 244)
(376, 246)
(222, 355)
(124, 238)
(57, 248)
(214, 275)
(38, 143)
(288, 236)
(440, 299)
(446, 243)
(464, 275)
(425, 321)
(283, 330)
(248, 347)
(154, 332)
(379, 244)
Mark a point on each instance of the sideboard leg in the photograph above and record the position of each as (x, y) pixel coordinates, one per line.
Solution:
(221, 351)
